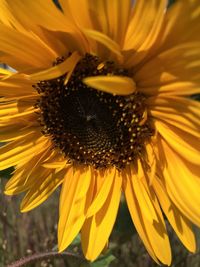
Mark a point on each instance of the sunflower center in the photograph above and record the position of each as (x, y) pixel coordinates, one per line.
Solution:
(89, 126)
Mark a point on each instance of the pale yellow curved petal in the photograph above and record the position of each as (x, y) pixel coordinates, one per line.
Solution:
(117, 85)
(58, 70)
(106, 41)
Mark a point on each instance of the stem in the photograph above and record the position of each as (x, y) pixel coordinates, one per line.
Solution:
(42, 256)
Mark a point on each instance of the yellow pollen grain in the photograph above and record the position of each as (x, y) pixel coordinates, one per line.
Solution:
(101, 66)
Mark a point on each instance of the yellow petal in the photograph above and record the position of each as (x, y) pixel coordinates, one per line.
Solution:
(25, 48)
(106, 41)
(185, 107)
(14, 132)
(118, 85)
(73, 205)
(180, 63)
(15, 152)
(151, 229)
(16, 85)
(182, 184)
(183, 143)
(179, 222)
(181, 15)
(142, 195)
(79, 16)
(177, 119)
(5, 71)
(41, 189)
(55, 165)
(152, 162)
(102, 192)
(7, 17)
(143, 29)
(136, 217)
(57, 70)
(44, 13)
(118, 15)
(182, 88)
(96, 230)
(25, 172)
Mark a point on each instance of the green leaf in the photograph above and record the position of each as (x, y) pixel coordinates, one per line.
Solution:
(76, 241)
(103, 261)
(124, 222)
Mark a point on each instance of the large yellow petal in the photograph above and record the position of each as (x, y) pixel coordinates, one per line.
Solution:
(26, 48)
(180, 63)
(96, 229)
(13, 109)
(118, 85)
(58, 70)
(143, 29)
(179, 222)
(118, 15)
(177, 106)
(26, 172)
(18, 150)
(102, 190)
(151, 229)
(184, 144)
(182, 183)
(14, 132)
(73, 204)
(7, 18)
(177, 119)
(143, 195)
(16, 86)
(78, 16)
(43, 13)
(177, 88)
(5, 72)
(182, 15)
(109, 17)
(41, 189)
(106, 41)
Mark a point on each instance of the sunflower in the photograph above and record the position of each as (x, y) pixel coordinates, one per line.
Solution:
(99, 104)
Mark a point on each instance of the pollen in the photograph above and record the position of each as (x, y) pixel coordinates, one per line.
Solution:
(91, 127)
